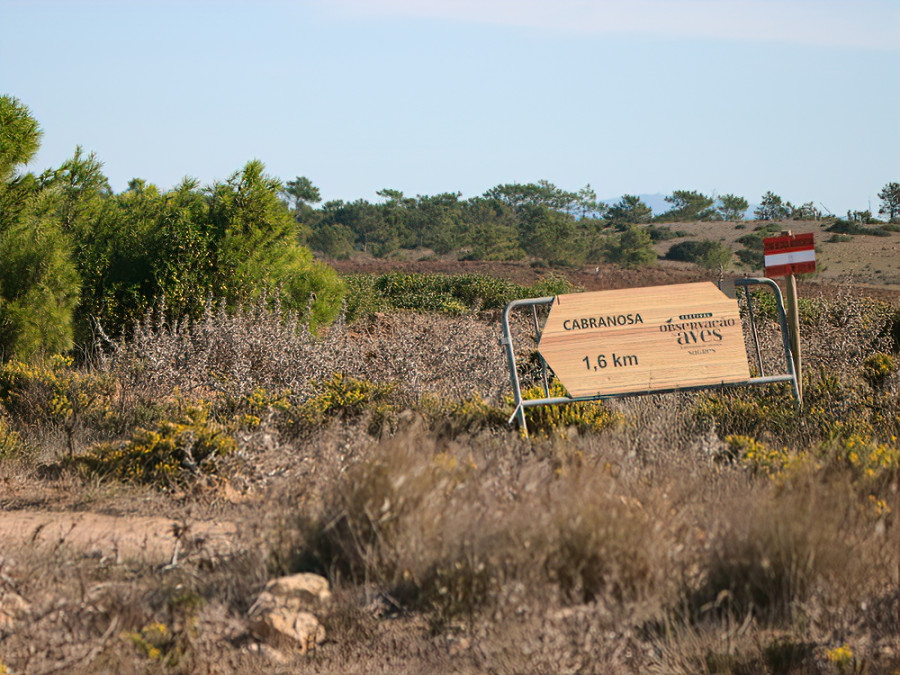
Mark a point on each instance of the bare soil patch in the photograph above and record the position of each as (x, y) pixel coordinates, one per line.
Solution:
(145, 539)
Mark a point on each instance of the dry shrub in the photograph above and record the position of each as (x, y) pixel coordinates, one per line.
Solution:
(53, 400)
(452, 357)
(733, 648)
(526, 636)
(428, 520)
(89, 615)
(837, 334)
(457, 546)
(780, 571)
(774, 550)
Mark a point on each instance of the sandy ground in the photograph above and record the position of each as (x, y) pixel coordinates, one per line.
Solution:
(146, 539)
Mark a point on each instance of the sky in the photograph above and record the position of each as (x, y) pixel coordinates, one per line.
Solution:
(800, 97)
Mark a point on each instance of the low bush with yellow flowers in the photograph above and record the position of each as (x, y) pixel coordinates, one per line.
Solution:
(170, 453)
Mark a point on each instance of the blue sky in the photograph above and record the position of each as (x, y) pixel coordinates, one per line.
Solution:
(801, 97)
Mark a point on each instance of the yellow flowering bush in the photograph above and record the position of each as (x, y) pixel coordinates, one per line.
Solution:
(171, 453)
(251, 410)
(833, 411)
(153, 640)
(776, 463)
(866, 457)
(343, 397)
(879, 506)
(557, 420)
(468, 415)
(844, 660)
(473, 414)
(748, 412)
(10, 441)
(54, 392)
(877, 368)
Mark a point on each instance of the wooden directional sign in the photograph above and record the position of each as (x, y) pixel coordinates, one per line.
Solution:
(790, 254)
(645, 339)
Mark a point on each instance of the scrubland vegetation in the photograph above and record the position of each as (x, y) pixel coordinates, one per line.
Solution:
(720, 532)
(182, 354)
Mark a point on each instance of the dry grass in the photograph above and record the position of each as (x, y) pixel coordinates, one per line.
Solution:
(661, 543)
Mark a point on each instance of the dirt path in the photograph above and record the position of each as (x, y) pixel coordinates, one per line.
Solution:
(147, 539)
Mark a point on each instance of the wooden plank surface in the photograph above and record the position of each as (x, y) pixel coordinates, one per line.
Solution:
(645, 339)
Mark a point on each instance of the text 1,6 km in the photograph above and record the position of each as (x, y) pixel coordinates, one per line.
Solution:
(600, 361)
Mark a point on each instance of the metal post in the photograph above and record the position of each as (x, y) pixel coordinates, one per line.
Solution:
(507, 342)
(753, 332)
(793, 315)
(545, 380)
(785, 336)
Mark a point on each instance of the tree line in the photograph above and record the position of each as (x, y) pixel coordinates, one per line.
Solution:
(74, 255)
(536, 220)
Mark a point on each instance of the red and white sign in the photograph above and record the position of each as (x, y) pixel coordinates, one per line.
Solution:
(791, 254)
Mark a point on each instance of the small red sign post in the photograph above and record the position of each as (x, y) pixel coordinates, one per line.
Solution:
(789, 254)
(786, 256)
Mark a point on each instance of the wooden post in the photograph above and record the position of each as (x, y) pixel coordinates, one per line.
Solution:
(793, 316)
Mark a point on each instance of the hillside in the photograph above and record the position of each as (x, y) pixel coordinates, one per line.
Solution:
(863, 261)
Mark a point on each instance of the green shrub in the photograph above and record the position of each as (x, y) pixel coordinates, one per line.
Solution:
(54, 393)
(877, 368)
(342, 398)
(841, 226)
(752, 259)
(752, 241)
(658, 233)
(445, 294)
(561, 420)
(174, 452)
(768, 229)
(39, 287)
(709, 254)
(39, 290)
(631, 248)
(492, 247)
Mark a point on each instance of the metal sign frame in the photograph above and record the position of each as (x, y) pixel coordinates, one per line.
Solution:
(521, 404)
